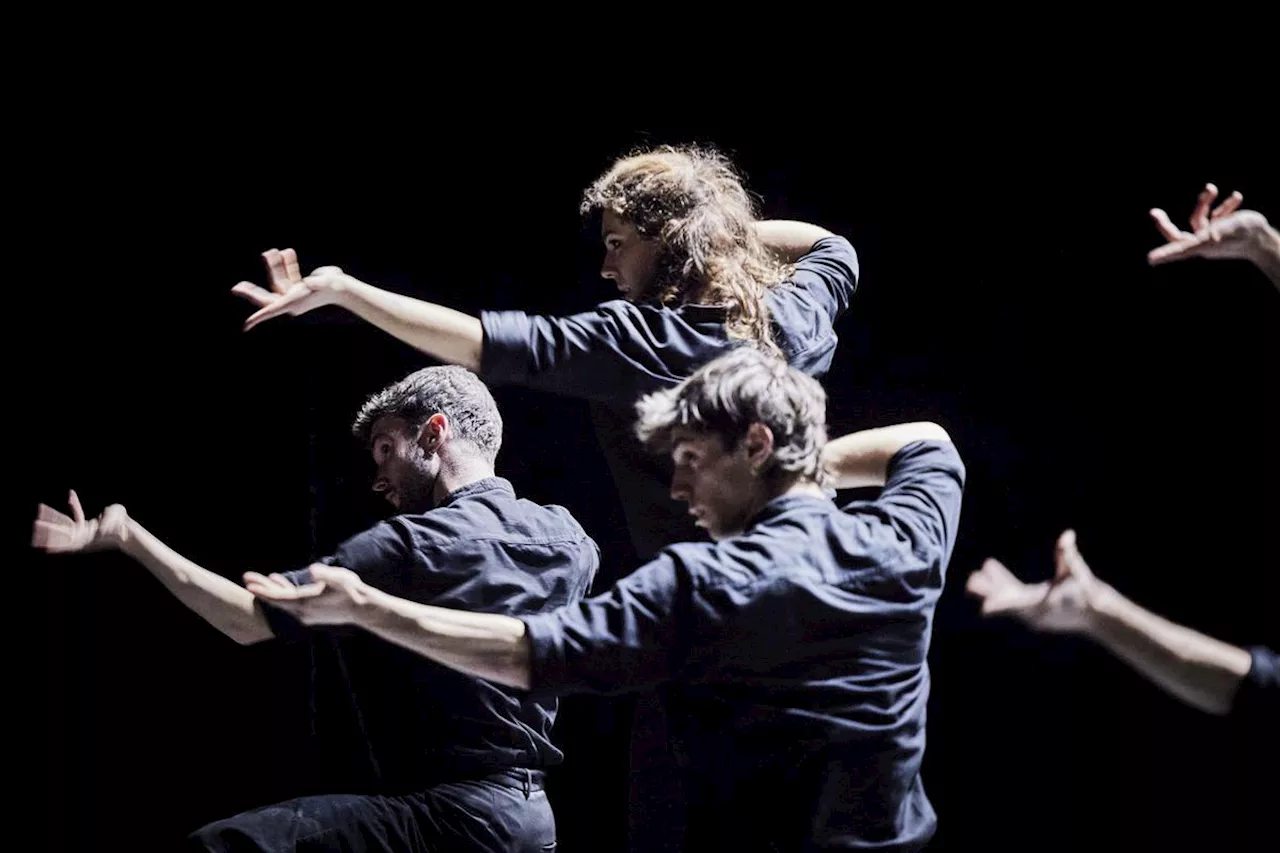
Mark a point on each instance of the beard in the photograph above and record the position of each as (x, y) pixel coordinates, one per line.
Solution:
(417, 483)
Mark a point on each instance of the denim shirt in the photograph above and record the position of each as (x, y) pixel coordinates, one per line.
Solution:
(793, 656)
(620, 351)
(407, 721)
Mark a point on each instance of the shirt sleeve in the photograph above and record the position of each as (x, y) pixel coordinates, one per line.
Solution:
(378, 555)
(614, 353)
(922, 495)
(829, 274)
(626, 638)
(1259, 693)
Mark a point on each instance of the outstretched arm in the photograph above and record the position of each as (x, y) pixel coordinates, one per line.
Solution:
(1226, 232)
(1199, 670)
(443, 333)
(219, 601)
(486, 645)
(862, 458)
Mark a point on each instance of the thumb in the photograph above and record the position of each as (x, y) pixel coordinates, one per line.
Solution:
(1068, 560)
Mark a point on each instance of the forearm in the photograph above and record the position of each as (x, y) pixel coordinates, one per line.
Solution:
(1196, 668)
(443, 333)
(485, 645)
(222, 603)
(861, 458)
(1266, 254)
(788, 238)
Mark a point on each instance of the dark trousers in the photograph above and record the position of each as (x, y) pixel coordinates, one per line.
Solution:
(506, 812)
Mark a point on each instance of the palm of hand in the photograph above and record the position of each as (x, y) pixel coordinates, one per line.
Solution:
(58, 533)
(333, 597)
(1231, 236)
(290, 293)
(1064, 609)
(1223, 232)
(332, 605)
(1062, 605)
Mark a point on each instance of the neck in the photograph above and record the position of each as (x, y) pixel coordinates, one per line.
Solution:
(799, 486)
(788, 487)
(456, 473)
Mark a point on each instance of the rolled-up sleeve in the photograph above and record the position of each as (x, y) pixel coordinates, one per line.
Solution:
(613, 353)
(1259, 692)
(922, 494)
(625, 639)
(829, 274)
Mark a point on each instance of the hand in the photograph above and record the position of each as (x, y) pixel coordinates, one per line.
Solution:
(334, 597)
(1063, 605)
(290, 293)
(58, 534)
(1225, 233)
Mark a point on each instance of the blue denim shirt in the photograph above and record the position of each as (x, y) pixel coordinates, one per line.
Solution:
(621, 351)
(793, 657)
(404, 720)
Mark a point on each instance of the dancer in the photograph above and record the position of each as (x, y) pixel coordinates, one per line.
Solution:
(697, 275)
(799, 635)
(433, 759)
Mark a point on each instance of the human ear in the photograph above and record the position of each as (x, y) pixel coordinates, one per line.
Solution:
(758, 445)
(434, 431)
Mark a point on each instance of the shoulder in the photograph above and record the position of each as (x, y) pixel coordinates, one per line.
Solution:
(930, 456)
(651, 314)
(740, 561)
(829, 254)
(555, 519)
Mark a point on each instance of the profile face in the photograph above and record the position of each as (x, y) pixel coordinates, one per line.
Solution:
(405, 476)
(630, 258)
(719, 485)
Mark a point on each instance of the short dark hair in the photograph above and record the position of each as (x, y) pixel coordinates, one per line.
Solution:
(454, 391)
(745, 386)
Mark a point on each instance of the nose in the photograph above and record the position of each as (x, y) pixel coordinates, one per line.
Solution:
(381, 484)
(608, 269)
(679, 488)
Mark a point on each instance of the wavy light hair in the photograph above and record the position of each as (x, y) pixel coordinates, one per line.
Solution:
(693, 202)
(728, 394)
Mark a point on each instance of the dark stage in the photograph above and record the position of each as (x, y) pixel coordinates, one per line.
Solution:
(1005, 294)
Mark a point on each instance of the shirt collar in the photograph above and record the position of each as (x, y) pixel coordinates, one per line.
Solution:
(784, 504)
(484, 484)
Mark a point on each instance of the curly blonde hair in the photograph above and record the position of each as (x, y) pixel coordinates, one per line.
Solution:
(693, 202)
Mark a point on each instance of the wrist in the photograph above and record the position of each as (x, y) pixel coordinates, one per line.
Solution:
(123, 535)
(1104, 608)
(371, 608)
(340, 289)
(1264, 247)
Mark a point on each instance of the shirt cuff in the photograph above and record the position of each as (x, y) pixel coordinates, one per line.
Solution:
(504, 353)
(547, 669)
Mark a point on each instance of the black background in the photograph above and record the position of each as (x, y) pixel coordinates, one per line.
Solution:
(1004, 294)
